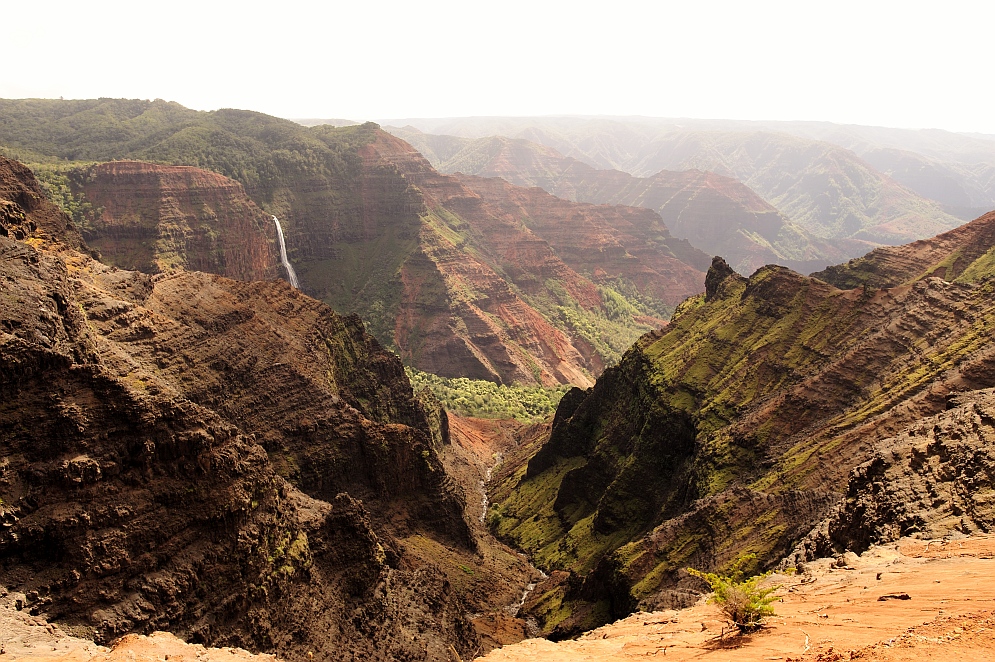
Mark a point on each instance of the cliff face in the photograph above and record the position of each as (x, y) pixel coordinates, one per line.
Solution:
(451, 283)
(183, 451)
(528, 304)
(25, 210)
(155, 218)
(736, 429)
(825, 189)
(607, 243)
(717, 214)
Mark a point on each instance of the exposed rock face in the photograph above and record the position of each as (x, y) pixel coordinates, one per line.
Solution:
(155, 218)
(824, 188)
(963, 254)
(736, 428)
(452, 284)
(186, 452)
(717, 214)
(604, 242)
(936, 477)
(25, 210)
(501, 336)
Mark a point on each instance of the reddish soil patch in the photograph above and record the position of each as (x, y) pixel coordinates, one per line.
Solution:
(828, 613)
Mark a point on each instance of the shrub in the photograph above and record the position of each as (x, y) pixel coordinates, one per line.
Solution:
(744, 601)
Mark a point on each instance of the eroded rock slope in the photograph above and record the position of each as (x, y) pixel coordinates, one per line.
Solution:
(231, 461)
(738, 427)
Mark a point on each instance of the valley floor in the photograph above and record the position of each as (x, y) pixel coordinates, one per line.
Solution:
(826, 614)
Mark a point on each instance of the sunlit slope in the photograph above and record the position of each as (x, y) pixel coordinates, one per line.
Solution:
(733, 430)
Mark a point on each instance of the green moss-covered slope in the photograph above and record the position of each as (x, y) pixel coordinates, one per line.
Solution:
(733, 430)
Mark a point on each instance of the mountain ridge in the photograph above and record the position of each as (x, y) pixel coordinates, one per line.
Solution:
(370, 230)
(715, 213)
(735, 430)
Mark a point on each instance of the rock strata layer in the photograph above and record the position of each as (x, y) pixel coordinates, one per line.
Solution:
(771, 406)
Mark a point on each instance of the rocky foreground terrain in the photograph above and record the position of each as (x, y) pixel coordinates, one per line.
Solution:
(902, 602)
(906, 601)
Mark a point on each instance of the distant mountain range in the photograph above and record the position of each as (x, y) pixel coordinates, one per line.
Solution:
(715, 213)
(860, 185)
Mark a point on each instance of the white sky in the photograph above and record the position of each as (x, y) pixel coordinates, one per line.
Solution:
(903, 64)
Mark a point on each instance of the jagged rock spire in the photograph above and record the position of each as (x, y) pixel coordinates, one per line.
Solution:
(717, 273)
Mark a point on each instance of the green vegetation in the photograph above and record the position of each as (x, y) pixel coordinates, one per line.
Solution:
(252, 148)
(358, 233)
(58, 180)
(611, 330)
(744, 601)
(483, 399)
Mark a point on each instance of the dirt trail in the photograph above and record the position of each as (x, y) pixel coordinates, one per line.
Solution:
(825, 614)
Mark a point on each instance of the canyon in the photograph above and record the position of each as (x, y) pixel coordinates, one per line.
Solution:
(737, 427)
(456, 284)
(191, 444)
(229, 460)
(812, 173)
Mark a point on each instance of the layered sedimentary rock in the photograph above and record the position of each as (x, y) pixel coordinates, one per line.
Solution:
(737, 428)
(230, 461)
(714, 213)
(826, 189)
(370, 228)
(607, 242)
(963, 254)
(154, 218)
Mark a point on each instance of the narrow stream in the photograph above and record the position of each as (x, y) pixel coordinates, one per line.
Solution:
(498, 457)
(531, 627)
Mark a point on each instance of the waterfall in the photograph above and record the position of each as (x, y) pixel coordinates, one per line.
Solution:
(283, 255)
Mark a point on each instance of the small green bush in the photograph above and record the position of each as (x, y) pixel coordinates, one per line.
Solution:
(744, 601)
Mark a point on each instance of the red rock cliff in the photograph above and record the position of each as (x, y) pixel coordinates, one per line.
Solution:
(155, 218)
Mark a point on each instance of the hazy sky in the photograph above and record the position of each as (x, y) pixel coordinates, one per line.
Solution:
(905, 64)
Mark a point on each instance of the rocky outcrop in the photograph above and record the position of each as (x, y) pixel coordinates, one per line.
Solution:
(25, 210)
(155, 218)
(187, 452)
(736, 428)
(934, 479)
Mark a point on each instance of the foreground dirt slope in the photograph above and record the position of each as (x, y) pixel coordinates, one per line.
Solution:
(832, 611)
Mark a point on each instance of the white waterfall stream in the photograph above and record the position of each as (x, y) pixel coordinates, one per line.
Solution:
(291, 274)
